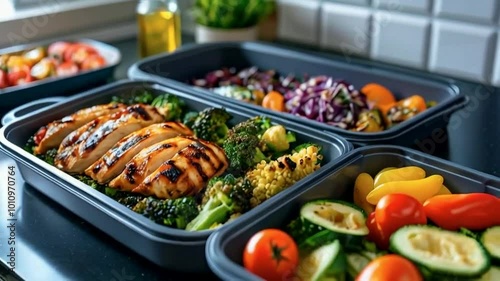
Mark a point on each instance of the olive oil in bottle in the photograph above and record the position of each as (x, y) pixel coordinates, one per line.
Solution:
(159, 26)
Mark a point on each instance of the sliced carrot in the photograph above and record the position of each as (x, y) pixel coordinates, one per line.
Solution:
(414, 102)
(275, 101)
(378, 94)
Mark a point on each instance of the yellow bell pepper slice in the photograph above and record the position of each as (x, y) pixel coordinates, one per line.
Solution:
(443, 191)
(400, 174)
(362, 187)
(384, 170)
(421, 189)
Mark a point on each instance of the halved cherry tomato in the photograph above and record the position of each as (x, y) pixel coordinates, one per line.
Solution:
(19, 75)
(390, 268)
(56, 50)
(3, 79)
(271, 254)
(378, 95)
(414, 102)
(93, 61)
(275, 101)
(40, 134)
(78, 52)
(394, 211)
(375, 235)
(67, 69)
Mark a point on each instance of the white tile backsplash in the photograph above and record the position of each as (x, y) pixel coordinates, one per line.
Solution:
(419, 6)
(470, 10)
(400, 39)
(345, 28)
(352, 2)
(462, 50)
(495, 80)
(299, 20)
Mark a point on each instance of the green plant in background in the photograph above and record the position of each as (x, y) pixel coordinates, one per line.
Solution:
(229, 14)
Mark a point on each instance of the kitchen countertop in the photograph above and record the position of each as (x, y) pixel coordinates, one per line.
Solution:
(61, 246)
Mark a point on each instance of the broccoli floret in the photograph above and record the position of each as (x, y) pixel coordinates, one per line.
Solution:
(30, 145)
(169, 105)
(174, 213)
(91, 182)
(237, 189)
(189, 118)
(242, 145)
(212, 125)
(145, 97)
(225, 198)
(49, 156)
(277, 139)
(130, 201)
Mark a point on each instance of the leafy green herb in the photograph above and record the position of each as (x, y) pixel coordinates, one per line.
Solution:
(232, 13)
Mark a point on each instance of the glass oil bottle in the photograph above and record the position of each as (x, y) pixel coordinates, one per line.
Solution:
(159, 24)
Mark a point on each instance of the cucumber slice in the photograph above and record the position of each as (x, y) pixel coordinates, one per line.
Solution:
(440, 251)
(491, 241)
(327, 262)
(337, 216)
(492, 275)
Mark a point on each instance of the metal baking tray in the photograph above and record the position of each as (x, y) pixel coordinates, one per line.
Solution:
(166, 247)
(55, 86)
(225, 248)
(194, 61)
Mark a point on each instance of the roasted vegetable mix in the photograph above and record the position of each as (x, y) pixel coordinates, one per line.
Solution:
(195, 174)
(373, 108)
(59, 59)
(413, 229)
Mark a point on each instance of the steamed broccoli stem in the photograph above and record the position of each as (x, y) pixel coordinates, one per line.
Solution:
(169, 105)
(211, 124)
(239, 190)
(215, 211)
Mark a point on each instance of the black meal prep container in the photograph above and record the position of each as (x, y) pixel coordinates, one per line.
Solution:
(225, 248)
(167, 247)
(195, 61)
(60, 86)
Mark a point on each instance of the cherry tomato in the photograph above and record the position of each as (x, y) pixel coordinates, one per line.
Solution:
(390, 268)
(78, 52)
(3, 79)
(40, 134)
(394, 211)
(274, 100)
(93, 61)
(56, 50)
(271, 254)
(376, 235)
(19, 75)
(67, 69)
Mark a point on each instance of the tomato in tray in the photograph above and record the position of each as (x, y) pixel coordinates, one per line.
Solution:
(79, 52)
(271, 254)
(93, 61)
(390, 267)
(59, 59)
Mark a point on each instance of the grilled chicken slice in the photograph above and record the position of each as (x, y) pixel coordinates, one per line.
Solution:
(147, 161)
(186, 173)
(113, 162)
(55, 132)
(90, 142)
